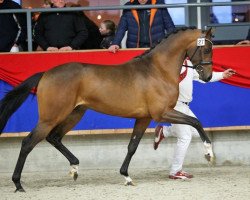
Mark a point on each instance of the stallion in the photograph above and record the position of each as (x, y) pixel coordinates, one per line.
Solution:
(145, 88)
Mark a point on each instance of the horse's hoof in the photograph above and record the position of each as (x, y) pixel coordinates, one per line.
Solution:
(128, 183)
(74, 172)
(210, 159)
(19, 190)
(75, 176)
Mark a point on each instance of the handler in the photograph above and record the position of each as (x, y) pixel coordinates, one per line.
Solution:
(184, 133)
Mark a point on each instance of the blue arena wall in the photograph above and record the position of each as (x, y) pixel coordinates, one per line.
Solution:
(215, 104)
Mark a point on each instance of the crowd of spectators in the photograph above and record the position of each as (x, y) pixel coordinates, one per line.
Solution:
(66, 31)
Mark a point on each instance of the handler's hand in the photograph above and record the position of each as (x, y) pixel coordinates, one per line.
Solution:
(228, 73)
(244, 42)
(52, 49)
(113, 48)
(67, 48)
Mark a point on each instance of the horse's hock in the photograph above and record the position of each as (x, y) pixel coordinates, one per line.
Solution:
(102, 149)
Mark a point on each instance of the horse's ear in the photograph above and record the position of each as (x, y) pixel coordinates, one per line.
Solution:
(210, 31)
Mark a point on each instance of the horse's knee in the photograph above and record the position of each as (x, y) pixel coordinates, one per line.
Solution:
(196, 123)
(123, 171)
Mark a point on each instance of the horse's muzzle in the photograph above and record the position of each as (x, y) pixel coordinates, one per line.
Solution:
(208, 78)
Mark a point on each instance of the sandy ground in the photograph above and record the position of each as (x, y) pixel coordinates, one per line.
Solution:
(209, 183)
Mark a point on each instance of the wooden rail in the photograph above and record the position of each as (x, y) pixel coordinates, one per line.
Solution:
(123, 131)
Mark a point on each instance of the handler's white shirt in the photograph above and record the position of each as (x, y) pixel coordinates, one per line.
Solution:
(186, 85)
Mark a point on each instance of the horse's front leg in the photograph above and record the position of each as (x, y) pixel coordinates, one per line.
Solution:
(177, 117)
(139, 129)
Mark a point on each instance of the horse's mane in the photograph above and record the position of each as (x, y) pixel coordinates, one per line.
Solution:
(174, 31)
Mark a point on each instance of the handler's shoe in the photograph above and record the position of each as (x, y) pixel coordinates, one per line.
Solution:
(158, 136)
(181, 175)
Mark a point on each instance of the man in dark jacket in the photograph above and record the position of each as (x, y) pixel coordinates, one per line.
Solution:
(60, 31)
(94, 37)
(13, 29)
(145, 26)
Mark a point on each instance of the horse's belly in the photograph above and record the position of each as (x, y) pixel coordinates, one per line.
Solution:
(120, 110)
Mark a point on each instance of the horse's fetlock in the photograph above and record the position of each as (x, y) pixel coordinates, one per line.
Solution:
(123, 172)
(16, 179)
(74, 161)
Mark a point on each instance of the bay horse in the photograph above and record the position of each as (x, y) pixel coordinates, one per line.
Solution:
(143, 88)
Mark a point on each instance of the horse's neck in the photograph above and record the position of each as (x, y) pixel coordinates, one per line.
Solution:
(172, 54)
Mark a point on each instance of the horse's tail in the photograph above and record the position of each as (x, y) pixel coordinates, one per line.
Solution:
(14, 99)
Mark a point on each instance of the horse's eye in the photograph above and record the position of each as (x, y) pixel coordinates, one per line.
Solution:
(207, 51)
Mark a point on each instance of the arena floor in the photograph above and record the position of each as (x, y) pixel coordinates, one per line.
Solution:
(211, 183)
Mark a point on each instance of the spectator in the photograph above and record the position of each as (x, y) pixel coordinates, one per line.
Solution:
(34, 18)
(60, 31)
(246, 41)
(47, 4)
(94, 37)
(107, 30)
(183, 132)
(13, 31)
(145, 27)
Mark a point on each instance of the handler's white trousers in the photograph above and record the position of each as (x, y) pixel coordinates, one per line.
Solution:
(184, 135)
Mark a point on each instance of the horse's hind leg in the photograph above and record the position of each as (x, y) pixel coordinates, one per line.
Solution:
(28, 143)
(177, 117)
(139, 129)
(57, 133)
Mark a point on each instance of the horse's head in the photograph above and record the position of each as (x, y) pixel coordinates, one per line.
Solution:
(200, 55)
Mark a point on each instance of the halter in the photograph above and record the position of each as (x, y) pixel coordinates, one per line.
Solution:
(199, 66)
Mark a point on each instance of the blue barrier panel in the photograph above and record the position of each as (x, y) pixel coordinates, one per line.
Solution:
(215, 104)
